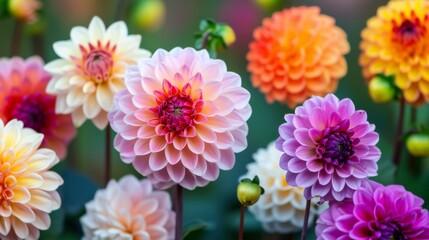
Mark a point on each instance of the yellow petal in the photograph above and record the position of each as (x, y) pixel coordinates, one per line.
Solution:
(31, 180)
(20, 195)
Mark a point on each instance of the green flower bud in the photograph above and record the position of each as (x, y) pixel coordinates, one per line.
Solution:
(248, 192)
(268, 4)
(381, 89)
(227, 34)
(148, 14)
(418, 144)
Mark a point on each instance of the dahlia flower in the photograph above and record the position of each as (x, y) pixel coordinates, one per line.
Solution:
(297, 53)
(90, 70)
(281, 208)
(28, 188)
(328, 148)
(375, 212)
(181, 118)
(23, 95)
(129, 209)
(396, 42)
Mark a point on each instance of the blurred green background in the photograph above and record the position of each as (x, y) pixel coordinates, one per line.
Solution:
(215, 205)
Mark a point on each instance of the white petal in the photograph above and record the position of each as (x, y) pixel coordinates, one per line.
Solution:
(66, 49)
(79, 35)
(91, 107)
(96, 30)
(105, 97)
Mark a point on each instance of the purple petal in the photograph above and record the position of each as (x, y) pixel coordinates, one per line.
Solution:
(346, 108)
(338, 182)
(315, 135)
(345, 223)
(324, 178)
(318, 119)
(318, 190)
(286, 130)
(344, 171)
(334, 119)
(315, 165)
(305, 153)
(296, 165)
(290, 147)
(357, 118)
(291, 178)
(360, 231)
(306, 178)
(303, 137)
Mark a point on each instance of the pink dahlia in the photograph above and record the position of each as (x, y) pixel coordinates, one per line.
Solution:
(329, 148)
(129, 209)
(376, 212)
(23, 97)
(181, 118)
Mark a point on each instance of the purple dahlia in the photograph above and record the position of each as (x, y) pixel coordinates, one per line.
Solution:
(328, 148)
(376, 212)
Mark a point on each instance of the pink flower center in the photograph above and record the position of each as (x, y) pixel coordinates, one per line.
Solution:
(409, 31)
(97, 62)
(176, 111)
(336, 147)
(32, 110)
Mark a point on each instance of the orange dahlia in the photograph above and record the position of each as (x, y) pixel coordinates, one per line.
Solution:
(396, 43)
(297, 53)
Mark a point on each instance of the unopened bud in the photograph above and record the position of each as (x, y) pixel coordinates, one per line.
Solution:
(24, 10)
(227, 34)
(418, 144)
(381, 89)
(148, 14)
(248, 192)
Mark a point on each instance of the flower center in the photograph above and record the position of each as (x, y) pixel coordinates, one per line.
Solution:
(7, 183)
(32, 110)
(390, 231)
(98, 65)
(176, 111)
(408, 32)
(336, 147)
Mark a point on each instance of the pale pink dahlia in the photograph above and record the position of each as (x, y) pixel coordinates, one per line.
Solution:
(329, 148)
(91, 68)
(181, 118)
(28, 189)
(129, 209)
(23, 97)
(376, 212)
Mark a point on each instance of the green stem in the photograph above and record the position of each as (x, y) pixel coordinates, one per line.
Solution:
(240, 229)
(16, 38)
(306, 216)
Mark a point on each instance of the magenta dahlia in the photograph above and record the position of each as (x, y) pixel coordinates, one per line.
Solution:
(181, 118)
(375, 212)
(328, 148)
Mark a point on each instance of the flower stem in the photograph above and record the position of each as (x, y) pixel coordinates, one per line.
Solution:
(240, 229)
(397, 141)
(306, 216)
(412, 163)
(16, 38)
(37, 43)
(108, 156)
(120, 9)
(179, 211)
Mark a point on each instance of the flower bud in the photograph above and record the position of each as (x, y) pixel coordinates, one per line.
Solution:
(381, 89)
(24, 10)
(418, 144)
(148, 14)
(248, 192)
(267, 4)
(227, 34)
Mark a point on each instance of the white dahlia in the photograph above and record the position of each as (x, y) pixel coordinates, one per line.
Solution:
(91, 68)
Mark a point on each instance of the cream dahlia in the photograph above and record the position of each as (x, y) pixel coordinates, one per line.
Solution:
(90, 70)
(181, 118)
(129, 209)
(28, 188)
(281, 208)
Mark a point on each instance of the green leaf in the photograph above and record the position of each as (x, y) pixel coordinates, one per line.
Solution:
(197, 226)
(256, 179)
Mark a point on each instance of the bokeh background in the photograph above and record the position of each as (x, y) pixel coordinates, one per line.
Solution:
(214, 206)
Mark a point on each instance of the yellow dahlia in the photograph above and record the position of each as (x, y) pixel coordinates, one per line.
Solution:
(27, 187)
(91, 68)
(396, 42)
(297, 53)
